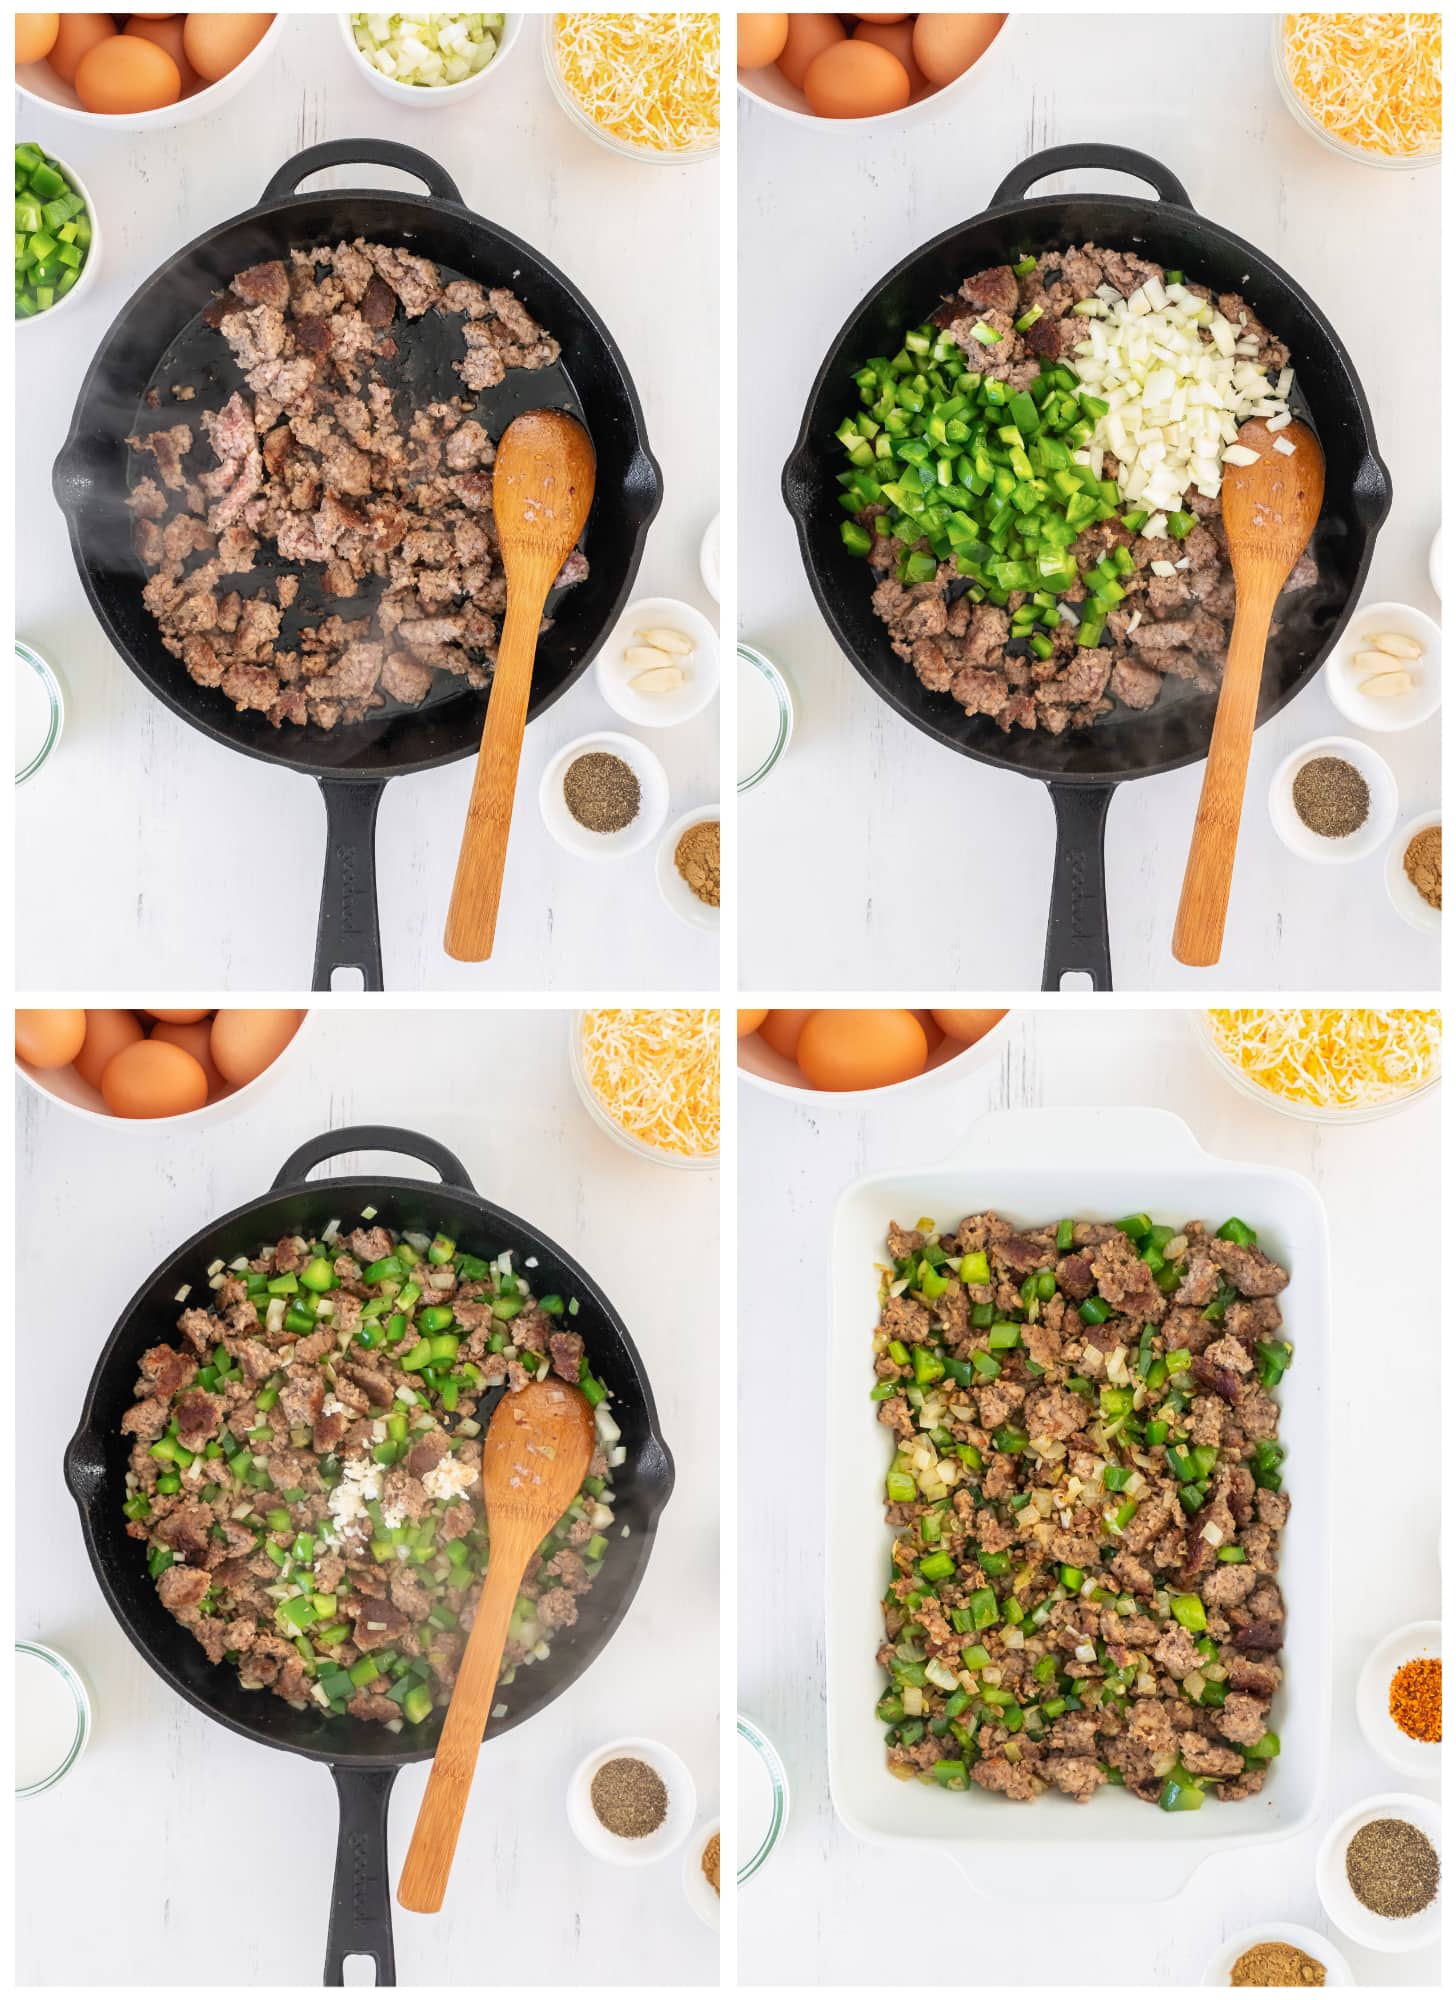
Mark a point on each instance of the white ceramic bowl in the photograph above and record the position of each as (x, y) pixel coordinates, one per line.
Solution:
(1372, 1700)
(708, 559)
(770, 87)
(1343, 1906)
(1433, 562)
(578, 839)
(675, 892)
(705, 148)
(628, 1141)
(1384, 800)
(93, 256)
(1403, 893)
(705, 1902)
(1337, 1969)
(425, 97)
(37, 83)
(682, 1804)
(614, 676)
(765, 1069)
(1201, 1028)
(1402, 711)
(73, 1094)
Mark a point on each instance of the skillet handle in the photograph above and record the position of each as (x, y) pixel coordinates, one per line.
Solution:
(1067, 159)
(362, 153)
(1077, 939)
(348, 925)
(373, 1139)
(361, 1922)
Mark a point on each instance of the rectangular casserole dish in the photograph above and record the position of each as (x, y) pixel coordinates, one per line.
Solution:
(1034, 1167)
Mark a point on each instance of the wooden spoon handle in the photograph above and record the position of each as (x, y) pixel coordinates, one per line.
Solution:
(1203, 905)
(475, 897)
(426, 1872)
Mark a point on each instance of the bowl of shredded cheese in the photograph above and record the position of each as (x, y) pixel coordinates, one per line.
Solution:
(645, 86)
(1331, 1065)
(651, 1078)
(1367, 85)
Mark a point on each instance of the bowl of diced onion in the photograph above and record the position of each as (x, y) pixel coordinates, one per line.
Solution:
(425, 59)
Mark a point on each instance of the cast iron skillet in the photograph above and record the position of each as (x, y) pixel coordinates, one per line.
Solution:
(159, 339)
(363, 1757)
(1082, 768)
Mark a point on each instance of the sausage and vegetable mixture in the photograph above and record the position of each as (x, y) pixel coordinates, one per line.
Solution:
(1045, 553)
(1086, 1498)
(305, 1471)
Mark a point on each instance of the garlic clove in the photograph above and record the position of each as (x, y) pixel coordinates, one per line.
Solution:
(647, 656)
(659, 680)
(668, 639)
(1396, 644)
(1385, 686)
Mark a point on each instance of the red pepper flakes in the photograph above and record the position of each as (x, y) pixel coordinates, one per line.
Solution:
(1415, 1700)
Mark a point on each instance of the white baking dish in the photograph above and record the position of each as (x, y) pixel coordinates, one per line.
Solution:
(1034, 1167)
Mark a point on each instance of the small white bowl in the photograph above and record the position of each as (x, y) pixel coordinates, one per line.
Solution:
(1221, 1965)
(1433, 562)
(705, 1902)
(628, 1141)
(92, 264)
(614, 676)
(682, 1804)
(708, 559)
(578, 839)
(74, 1094)
(1401, 711)
(1372, 1700)
(38, 83)
(1343, 1906)
(1403, 893)
(678, 897)
(1384, 799)
(769, 86)
(765, 1069)
(425, 96)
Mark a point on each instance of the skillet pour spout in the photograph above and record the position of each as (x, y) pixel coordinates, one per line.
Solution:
(363, 1757)
(1082, 768)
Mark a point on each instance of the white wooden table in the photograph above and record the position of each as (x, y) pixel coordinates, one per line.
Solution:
(821, 1910)
(871, 811)
(172, 860)
(164, 1807)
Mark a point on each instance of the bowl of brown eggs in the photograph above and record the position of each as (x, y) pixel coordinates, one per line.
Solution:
(141, 71)
(854, 1053)
(816, 67)
(171, 1063)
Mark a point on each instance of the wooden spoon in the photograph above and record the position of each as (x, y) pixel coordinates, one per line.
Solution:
(1269, 512)
(536, 1454)
(545, 476)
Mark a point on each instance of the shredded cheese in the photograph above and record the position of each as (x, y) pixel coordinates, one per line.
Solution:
(1334, 1057)
(651, 80)
(1371, 80)
(655, 1072)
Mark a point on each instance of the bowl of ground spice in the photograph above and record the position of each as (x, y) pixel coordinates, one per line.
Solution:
(632, 1801)
(1278, 1954)
(689, 867)
(1333, 800)
(1398, 1700)
(1413, 872)
(1378, 1872)
(702, 1874)
(604, 795)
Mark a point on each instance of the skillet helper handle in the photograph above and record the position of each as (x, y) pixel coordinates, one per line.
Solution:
(1077, 939)
(362, 153)
(1070, 159)
(361, 1923)
(348, 926)
(373, 1139)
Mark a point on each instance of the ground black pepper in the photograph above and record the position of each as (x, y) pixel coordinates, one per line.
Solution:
(629, 1798)
(1392, 1868)
(602, 793)
(1331, 797)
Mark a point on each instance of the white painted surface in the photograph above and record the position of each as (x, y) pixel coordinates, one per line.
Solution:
(871, 811)
(165, 1806)
(821, 1908)
(171, 859)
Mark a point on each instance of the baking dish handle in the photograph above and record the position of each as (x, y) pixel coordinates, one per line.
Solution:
(1128, 1873)
(362, 153)
(1069, 159)
(373, 1139)
(361, 1917)
(1133, 1134)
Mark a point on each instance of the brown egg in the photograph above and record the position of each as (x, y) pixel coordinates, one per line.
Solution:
(968, 1024)
(79, 32)
(124, 76)
(153, 1080)
(855, 80)
(49, 1037)
(947, 44)
(35, 36)
(179, 1013)
(750, 1019)
(934, 1033)
(898, 36)
(808, 34)
(217, 43)
(782, 1027)
(882, 20)
(167, 31)
(196, 1038)
(246, 1039)
(761, 39)
(861, 1048)
(108, 1029)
